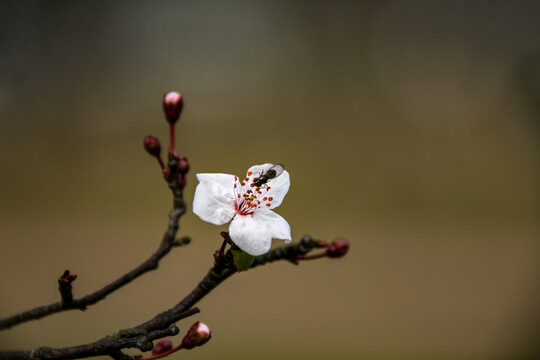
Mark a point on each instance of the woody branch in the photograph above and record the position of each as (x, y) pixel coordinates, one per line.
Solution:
(162, 324)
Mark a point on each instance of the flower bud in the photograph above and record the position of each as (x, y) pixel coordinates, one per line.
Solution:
(152, 145)
(197, 335)
(67, 278)
(166, 173)
(183, 166)
(338, 248)
(173, 103)
(182, 181)
(162, 346)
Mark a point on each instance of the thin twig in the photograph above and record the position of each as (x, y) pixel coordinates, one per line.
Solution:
(141, 335)
(167, 243)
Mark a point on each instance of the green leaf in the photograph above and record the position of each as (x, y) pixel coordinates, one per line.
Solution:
(242, 259)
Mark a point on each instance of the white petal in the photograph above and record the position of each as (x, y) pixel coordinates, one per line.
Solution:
(214, 198)
(278, 189)
(279, 186)
(279, 227)
(250, 235)
(226, 181)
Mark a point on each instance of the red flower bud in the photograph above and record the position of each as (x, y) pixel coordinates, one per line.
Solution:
(162, 346)
(173, 103)
(152, 145)
(338, 248)
(183, 166)
(182, 181)
(197, 335)
(67, 278)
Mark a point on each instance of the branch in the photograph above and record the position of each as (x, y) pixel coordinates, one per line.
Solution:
(167, 243)
(162, 324)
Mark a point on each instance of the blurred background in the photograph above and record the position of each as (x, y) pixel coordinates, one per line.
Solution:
(410, 128)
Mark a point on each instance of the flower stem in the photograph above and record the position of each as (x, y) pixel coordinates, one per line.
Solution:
(222, 249)
(172, 147)
(161, 164)
(311, 257)
(163, 354)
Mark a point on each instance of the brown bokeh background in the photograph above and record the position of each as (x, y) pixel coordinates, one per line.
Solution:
(408, 127)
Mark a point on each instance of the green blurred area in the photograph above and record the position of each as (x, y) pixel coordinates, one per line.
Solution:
(409, 128)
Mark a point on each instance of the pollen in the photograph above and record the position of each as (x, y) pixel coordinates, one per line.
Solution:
(264, 198)
(270, 198)
(243, 183)
(267, 204)
(250, 172)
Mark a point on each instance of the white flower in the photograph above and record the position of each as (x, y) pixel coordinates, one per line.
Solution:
(220, 198)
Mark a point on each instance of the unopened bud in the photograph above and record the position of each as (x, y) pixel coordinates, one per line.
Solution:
(173, 103)
(183, 166)
(162, 346)
(152, 145)
(166, 173)
(197, 335)
(182, 181)
(338, 248)
(67, 278)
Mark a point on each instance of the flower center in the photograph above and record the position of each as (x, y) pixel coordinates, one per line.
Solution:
(249, 196)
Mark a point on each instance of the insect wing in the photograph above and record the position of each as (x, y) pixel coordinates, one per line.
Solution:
(278, 169)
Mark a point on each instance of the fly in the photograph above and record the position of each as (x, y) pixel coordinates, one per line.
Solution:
(272, 173)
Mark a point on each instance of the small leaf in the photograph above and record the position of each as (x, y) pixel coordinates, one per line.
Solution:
(242, 260)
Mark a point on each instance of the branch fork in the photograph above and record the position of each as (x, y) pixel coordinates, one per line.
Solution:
(163, 324)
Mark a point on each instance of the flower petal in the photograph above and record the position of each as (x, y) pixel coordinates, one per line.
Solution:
(278, 189)
(250, 235)
(279, 227)
(279, 186)
(214, 198)
(226, 181)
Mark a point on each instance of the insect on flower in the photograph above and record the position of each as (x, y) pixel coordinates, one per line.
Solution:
(271, 173)
(246, 202)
